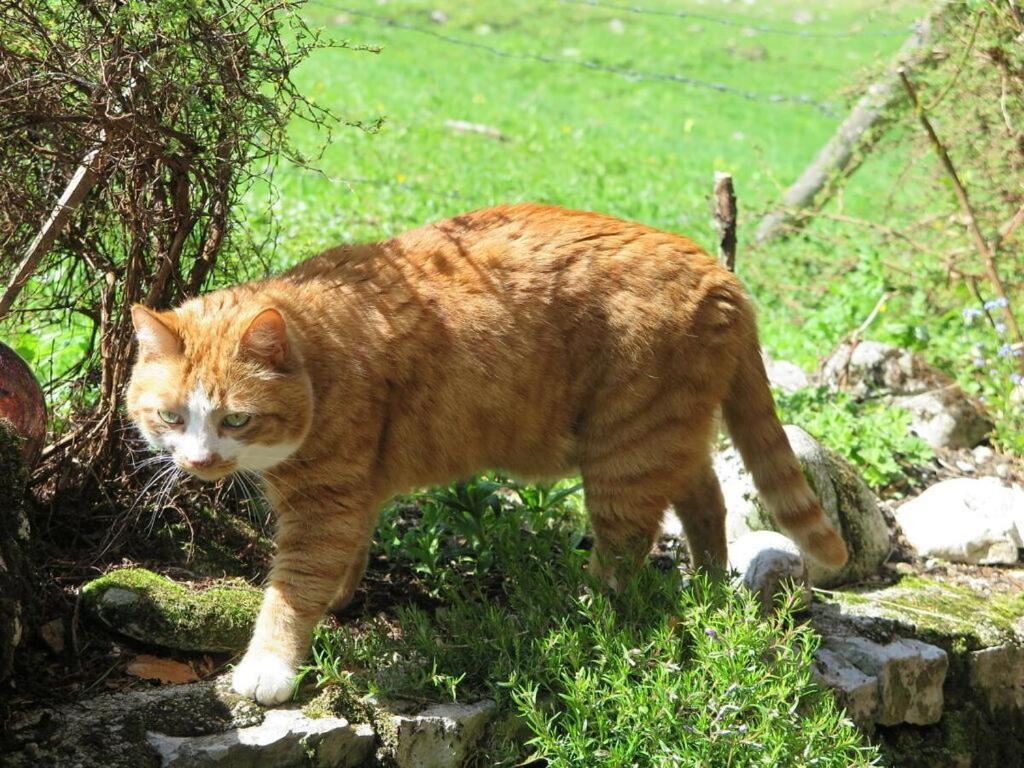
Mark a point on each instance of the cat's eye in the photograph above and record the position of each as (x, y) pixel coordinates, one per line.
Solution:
(236, 420)
(170, 417)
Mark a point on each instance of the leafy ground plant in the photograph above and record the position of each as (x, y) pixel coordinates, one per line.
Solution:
(669, 673)
(876, 438)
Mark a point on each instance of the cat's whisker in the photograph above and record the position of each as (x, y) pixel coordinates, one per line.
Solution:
(163, 494)
(157, 476)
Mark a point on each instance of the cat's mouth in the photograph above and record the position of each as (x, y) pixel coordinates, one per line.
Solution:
(212, 472)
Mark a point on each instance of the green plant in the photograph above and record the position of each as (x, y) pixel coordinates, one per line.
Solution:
(874, 437)
(664, 674)
(454, 531)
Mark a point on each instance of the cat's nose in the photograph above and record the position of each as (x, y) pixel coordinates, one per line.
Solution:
(204, 461)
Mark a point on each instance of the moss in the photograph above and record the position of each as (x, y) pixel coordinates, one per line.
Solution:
(339, 700)
(954, 617)
(154, 609)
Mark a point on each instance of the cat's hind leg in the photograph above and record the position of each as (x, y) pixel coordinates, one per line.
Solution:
(702, 512)
(635, 458)
(624, 532)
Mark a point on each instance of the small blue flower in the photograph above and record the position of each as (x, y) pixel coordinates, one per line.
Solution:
(1005, 351)
(979, 362)
(970, 313)
(1000, 328)
(1016, 379)
(711, 633)
(993, 372)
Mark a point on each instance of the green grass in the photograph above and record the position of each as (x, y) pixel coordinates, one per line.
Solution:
(667, 673)
(641, 149)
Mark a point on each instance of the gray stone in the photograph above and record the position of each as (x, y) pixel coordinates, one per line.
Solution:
(848, 503)
(768, 563)
(855, 691)
(785, 376)
(941, 413)
(285, 738)
(910, 674)
(441, 736)
(997, 674)
(966, 520)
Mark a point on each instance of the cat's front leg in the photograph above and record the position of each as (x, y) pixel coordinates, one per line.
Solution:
(316, 550)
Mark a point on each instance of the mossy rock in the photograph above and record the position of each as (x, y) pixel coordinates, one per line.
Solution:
(952, 616)
(848, 503)
(156, 610)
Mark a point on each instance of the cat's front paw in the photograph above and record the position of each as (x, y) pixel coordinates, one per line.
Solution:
(264, 677)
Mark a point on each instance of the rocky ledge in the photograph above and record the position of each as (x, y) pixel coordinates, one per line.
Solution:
(204, 724)
(932, 667)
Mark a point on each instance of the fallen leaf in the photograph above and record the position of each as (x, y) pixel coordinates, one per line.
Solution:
(165, 670)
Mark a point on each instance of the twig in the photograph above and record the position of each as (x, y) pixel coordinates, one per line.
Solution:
(82, 181)
(980, 244)
(851, 340)
(960, 67)
(1006, 231)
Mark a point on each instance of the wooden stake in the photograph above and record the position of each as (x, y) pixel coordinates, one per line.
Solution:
(725, 220)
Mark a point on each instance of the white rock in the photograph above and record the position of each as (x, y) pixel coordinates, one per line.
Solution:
(998, 674)
(942, 414)
(983, 454)
(785, 376)
(855, 691)
(767, 563)
(966, 520)
(848, 503)
(441, 736)
(285, 738)
(910, 676)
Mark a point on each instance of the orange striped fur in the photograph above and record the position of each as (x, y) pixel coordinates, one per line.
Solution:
(529, 338)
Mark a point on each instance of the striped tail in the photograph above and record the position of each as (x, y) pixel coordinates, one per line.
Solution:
(756, 432)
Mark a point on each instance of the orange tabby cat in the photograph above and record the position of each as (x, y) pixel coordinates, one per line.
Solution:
(529, 338)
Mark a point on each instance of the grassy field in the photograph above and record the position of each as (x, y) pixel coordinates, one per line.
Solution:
(644, 149)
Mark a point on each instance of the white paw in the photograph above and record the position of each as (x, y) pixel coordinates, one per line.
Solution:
(264, 677)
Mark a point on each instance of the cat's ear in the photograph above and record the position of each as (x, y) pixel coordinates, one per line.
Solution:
(266, 340)
(156, 338)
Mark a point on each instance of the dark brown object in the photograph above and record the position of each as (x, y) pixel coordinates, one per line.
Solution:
(22, 403)
(725, 220)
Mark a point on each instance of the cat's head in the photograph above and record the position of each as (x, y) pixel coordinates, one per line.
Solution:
(219, 388)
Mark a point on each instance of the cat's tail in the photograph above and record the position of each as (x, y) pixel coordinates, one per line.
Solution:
(749, 411)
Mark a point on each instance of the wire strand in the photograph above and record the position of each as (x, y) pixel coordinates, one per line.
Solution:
(626, 72)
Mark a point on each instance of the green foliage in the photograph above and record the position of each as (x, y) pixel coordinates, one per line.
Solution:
(664, 674)
(874, 437)
(452, 533)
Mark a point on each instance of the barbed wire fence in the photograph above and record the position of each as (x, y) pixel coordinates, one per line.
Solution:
(826, 108)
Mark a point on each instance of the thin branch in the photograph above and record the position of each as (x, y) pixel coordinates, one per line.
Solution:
(980, 244)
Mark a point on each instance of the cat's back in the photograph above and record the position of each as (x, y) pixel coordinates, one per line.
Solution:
(545, 250)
